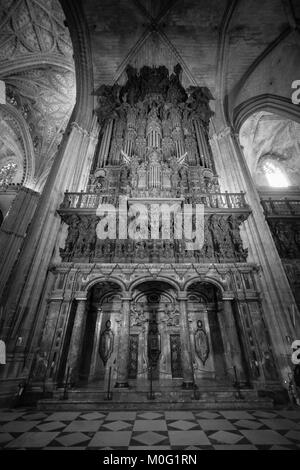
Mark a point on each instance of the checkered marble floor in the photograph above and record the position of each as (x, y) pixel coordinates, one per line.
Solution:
(32, 429)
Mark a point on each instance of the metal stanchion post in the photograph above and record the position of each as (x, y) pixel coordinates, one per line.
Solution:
(237, 385)
(65, 394)
(109, 394)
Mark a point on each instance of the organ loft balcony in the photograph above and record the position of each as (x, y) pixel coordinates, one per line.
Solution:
(153, 163)
(223, 215)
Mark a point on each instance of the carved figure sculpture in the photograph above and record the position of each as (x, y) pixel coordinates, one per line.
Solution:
(106, 344)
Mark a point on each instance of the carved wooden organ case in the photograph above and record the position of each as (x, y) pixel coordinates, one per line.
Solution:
(154, 143)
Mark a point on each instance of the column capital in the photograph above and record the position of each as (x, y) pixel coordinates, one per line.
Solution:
(182, 296)
(57, 298)
(68, 297)
(228, 296)
(75, 125)
(226, 131)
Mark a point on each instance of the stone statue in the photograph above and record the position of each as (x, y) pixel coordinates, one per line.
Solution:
(83, 227)
(73, 233)
(176, 93)
(106, 344)
(132, 88)
(108, 101)
(198, 103)
(90, 241)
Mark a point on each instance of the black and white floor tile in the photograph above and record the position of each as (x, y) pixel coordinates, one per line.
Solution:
(193, 430)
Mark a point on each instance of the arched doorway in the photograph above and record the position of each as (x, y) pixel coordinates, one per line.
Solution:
(100, 342)
(155, 346)
(208, 351)
(174, 339)
(217, 347)
(91, 344)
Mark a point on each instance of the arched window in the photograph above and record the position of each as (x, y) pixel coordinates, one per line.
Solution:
(270, 144)
(275, 176)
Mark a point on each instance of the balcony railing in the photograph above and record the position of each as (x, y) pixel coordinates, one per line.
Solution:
(281, 208)
(87, 201)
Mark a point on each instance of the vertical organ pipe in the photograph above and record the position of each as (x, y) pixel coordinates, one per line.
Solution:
(108, 140)
(202, 145)
(105, 143)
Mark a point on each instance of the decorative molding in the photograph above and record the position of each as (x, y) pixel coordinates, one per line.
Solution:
(222, 54)
(38, 60)
(106, 343)
(267, 102)
(225, 132)
(25, 139)
(241, 83)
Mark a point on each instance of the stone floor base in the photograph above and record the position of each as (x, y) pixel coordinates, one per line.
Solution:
(25, 428)
(118, 399)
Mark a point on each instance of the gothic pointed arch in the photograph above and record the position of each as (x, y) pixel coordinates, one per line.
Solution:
(37, 67)
(17, 140)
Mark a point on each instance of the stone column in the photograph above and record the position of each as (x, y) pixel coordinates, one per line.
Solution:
(123, 352)
(20, 302)
(233, 341)
(186, 350)
(96, 343)
(44, 352)
(75, 348)
(51, 324)
(87, 148)
(13, 230)
(276, 295)
(225, 339)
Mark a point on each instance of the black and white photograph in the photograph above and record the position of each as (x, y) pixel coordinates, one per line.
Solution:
(149, 231)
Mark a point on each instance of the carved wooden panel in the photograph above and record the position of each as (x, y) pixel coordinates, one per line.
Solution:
(133, 356)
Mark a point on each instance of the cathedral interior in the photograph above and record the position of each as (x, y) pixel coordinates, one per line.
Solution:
(149, 104)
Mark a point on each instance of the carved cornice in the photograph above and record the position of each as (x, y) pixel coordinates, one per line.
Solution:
(180, 276)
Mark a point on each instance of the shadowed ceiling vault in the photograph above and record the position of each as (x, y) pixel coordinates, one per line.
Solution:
(36, 64)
